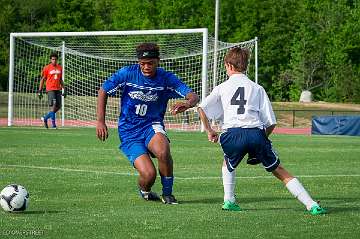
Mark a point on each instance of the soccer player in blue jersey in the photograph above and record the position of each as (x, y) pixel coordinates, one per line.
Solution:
(248, 120)
(145, 91)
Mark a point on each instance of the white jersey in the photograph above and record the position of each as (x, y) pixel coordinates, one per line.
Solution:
(239, 102)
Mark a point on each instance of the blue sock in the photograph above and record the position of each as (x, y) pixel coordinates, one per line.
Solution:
(167, 183)
(48, 115)
(53, 118)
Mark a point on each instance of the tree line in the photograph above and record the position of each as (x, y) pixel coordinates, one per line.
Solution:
(303, 44)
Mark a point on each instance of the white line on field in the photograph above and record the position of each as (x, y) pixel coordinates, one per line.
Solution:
(177, 177)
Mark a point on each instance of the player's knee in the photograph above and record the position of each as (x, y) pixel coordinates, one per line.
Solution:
(149, 175)
(163, 155)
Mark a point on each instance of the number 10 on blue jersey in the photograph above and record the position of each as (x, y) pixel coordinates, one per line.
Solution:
(141, 109)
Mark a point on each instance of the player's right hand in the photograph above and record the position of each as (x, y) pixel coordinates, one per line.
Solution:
(179, 107)
(39, 94)
(102, 131)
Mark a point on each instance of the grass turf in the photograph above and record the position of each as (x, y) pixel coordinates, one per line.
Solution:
(83, 188)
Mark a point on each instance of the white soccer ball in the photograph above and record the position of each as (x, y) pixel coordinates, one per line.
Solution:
(14, 198)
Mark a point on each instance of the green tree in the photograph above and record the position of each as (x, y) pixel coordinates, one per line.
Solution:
(104, 11)
(302, 43)
(343, 53)
(71, 15)
(18, 16)
(307, 67)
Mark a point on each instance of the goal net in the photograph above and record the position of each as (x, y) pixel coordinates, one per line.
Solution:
(89, 58)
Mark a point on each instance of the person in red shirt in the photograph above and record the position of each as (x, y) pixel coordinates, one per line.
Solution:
(52, 77)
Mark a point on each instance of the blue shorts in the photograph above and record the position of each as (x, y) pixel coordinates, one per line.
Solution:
(237, 142)
(134, 144)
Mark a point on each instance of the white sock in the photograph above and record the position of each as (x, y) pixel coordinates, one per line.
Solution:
(229, 184)
(299, 192)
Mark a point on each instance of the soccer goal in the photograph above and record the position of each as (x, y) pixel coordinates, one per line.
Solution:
(89, 58)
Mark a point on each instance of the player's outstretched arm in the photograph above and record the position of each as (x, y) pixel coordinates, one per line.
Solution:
(212, 134)
(191, 100)
(101, 128)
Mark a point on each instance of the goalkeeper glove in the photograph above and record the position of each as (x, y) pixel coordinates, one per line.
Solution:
(63, 93)
(39, 94)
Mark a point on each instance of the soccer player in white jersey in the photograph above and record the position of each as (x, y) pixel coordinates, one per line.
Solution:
(145, 91)
(248, 120)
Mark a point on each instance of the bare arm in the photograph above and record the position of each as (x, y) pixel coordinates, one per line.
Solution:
(41, 83)
(269, 130)
(191, 100)
(39, 92)
(212, 134)
(101, 128)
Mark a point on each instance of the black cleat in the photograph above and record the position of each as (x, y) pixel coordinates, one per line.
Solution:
(151, 196)
(45, 122)
(169, 199)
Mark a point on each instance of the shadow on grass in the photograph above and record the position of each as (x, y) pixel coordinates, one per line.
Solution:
(340, 199)
(214, 200)
(272, 209)
(263, 199)
(29, 213)
(336, 205)
(338, 210)
(241, 200)
(328, 203)
(36, 212)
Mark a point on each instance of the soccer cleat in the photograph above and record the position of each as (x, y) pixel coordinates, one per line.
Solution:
(45, 122)
(230, 206)
(54, 127)
(151, 196)
(169, 199)
(317, 210)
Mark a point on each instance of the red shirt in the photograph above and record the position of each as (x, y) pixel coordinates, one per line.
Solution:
(53, 76)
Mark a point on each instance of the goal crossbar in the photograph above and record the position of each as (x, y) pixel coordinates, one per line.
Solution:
(108, 33)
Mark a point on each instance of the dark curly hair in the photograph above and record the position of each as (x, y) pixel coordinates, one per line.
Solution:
(147, 50)
(147, 46)
(54, 54)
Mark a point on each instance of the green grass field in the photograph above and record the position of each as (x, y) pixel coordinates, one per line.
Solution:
(288, 114)
(83, 188)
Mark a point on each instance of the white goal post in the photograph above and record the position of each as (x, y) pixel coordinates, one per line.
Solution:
(89, 58)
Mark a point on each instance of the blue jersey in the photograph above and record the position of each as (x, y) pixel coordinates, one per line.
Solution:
(143, 99)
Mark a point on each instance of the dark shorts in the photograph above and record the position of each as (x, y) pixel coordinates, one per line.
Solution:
(54, 97)
(237, 142)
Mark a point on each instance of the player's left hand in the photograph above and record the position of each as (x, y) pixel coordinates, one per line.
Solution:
(39, 94)
(213, 136)
(63, 93)
(179, 107)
